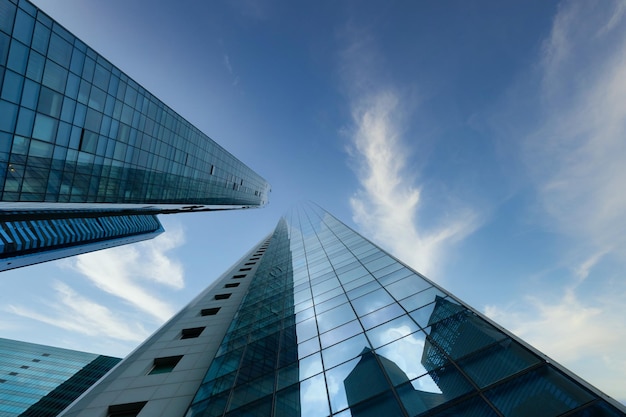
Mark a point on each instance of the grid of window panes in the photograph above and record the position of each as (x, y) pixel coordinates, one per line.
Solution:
(33, 375)
(74, 128)
(332, 325)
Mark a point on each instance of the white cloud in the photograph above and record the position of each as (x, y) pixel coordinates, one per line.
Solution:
(124, 271)
(388, 203)
(586, 335)
(76, 313)
(577, 154)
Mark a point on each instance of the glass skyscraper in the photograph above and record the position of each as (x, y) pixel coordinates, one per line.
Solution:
(78, 135)
(318, 321)
(40, 381)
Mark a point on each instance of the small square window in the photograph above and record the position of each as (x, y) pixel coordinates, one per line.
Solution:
(192, 333)
(239, 276)
(231, 285)
(222, 296)
(126, 410)
(164, 365)
(209, 311)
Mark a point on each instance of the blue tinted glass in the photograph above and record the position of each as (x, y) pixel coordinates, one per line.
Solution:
(54, 76)
(5, 40)
(59, 50)
(45, 128)
(23, 29)
(7, 15)
(12, 87)
(18, 57)
(9, 114)
(25, 122)
(40, 38)
(30, 94)
(36, 63)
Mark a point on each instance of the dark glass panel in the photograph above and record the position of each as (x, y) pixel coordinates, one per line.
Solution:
(540, 393)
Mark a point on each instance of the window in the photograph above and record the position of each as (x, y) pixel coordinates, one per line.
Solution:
(36, 360)
(24, 367)
(245, 269)
(250, 263)
(209, 311)
(222, 296)
(164, 365)
(239, 276)
(125, 410)
(231, 285)
(45, 354)
(192, 333)
(12, 373)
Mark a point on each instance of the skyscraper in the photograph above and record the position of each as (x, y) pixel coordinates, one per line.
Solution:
(81, 140)
(318, 321)
(40, 381)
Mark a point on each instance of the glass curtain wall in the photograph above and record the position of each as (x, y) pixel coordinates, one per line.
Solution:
(333, 325)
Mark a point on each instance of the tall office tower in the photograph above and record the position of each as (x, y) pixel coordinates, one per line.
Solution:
(79, 139)
(40, 381)
(318, 321)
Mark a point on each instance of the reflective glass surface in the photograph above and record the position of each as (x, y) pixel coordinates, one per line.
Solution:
(331, 325)
(82, 131)
(37, 380)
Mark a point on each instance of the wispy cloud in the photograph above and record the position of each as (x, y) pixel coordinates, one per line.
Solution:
(76, 313)
(387, 205)
(585, 334)
(575, 154)
(124, 272)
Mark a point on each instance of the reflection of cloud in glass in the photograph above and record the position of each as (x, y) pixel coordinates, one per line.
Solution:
(313, 401)
(407, 354)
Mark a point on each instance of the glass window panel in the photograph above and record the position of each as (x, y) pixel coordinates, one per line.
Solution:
(372, 302)
(308, 347)
(497, 362)
(97, 99)
(78, 59)
(24, 24)
(363, 289)
(287, 402)
(36, 64)
(332, 303)
(4, 48)
(45, 128)
(88, 69)
(311, 365)
(344, 351)
(599, 409)
(25, 122)
(54, 76)
(12, 87)
(7, 15)
(101, 77)
(288, 375)
(93, 120)
(366, 381)
(424, 316)
(430, 390)
(20, 145)
(380, 263)
(30, 94)
(67, 113)
(40, 38)
(59, 50)
(540, 393)
(335, 317)
(50, 102)
(474, 407)
(406, 354)
(83, 91)
(340, 333)
(410, 285)
(421, 299)
(352, 274)
(381, 316)
(395, 276)
(40, 149)
(395, 329)
(328, 295)
(18, 57)
(335, 379)
(306, 329)
(313, 397)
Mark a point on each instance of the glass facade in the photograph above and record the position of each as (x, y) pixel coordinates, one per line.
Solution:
(332, 325)
(40, 381)
(31, 238)
(76, 130)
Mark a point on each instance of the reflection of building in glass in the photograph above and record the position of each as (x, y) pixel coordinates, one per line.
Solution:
(318, 321)
(81, 140)
(40, 381)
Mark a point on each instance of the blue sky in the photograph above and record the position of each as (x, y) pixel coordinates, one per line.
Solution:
(480, 142)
